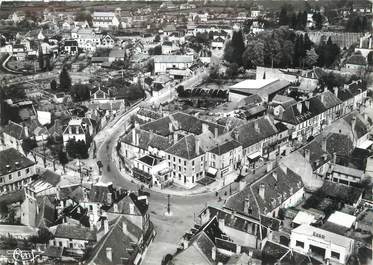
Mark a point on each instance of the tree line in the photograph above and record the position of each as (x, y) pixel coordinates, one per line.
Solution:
(282, 48)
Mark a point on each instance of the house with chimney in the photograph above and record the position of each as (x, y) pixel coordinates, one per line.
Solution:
(278, 188)
(72, 239)
(13, 134)
(16, 170)
(241, 229)
(79, 129)
(254, 137)
(307, 118)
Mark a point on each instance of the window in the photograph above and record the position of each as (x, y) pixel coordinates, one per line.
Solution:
(60, 244)
(192, 162)
(299, 244)
(335, 255)
(179, 168)
(27, 170)
(179, 161)
(10, 177)
(184, 163)
(19, 173)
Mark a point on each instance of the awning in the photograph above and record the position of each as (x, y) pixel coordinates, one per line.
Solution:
(366, 144)
(212, 171)
(254, 155)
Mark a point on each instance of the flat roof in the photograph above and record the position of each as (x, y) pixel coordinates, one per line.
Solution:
(342, 219)
(304, 218)
(323, 235)
(253, 83)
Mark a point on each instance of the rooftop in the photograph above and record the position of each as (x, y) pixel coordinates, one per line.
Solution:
(11, 160)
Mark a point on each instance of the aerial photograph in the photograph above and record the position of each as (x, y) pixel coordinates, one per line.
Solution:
(186, 132)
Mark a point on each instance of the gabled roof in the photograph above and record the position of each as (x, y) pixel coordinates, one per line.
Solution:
(147, 139)
(276, 192)
(225, 147)
(75, 232)
(46, 216)
(11, 160)
(356, 59)
(121, 243)
(248, 135)
(15, 130)
(185, 148)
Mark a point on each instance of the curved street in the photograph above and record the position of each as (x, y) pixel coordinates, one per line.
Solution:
(169, 229)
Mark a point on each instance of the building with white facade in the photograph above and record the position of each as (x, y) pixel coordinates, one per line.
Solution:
(321, 243)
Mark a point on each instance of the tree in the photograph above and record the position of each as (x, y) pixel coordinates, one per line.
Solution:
(77, 149)
(157, 38)
(283, 17)
(28, 144)
(318, 19)
(235, 48)
(65, 80)
(62, 157)
(80, 92)
(311, 57)
(53, 85)
(232, 70)
(180, 91)
(254, 54)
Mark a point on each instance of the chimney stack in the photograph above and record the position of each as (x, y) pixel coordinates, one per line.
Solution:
(246, 206)
(106, 226)
(124, 228)
(336, 91)
(109, 198)
(262, 189)
(299, 107)
(109, 254)
(132, 208)
(256, 126)
(284, 168)
(170, 127)
(334, 158)
(197, 144)
(307, 154)
(26, 131)
(307, 103)
(323, 144)
(175, 137)
(242, 184)
(274, 174)
(322, 98)
(115, 208)
(269, 166)
(353, 123)
(216, 133)
(213, 253)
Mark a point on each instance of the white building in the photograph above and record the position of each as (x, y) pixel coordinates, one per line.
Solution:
(77, 129)
(324, 244)
(162, 63)
(16, 170)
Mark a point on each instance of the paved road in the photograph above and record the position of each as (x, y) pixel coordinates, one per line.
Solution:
(183, 208)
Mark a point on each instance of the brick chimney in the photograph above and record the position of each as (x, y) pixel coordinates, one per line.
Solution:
(262, 189)
(170, 127)
(197, 145)
(256, 126)
(274, 174)
(213, 253)
(109, 254)
(307, 103)
(336, 91)
(246, 206)
(307, 154)
(109, 198)
(134, 136)
(269, 166)
(106, 226)
(216, 132)
(175, 137)
(299, 107)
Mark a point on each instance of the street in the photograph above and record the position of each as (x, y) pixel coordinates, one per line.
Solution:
(183, 208)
